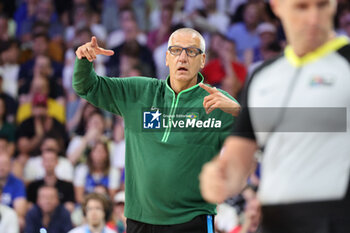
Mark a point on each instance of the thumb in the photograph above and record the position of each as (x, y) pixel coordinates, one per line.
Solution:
(93, 41)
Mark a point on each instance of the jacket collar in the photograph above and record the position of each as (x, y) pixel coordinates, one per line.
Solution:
(187, 91)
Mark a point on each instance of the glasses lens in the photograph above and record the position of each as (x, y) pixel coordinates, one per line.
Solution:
(175, 50)
(192, 52)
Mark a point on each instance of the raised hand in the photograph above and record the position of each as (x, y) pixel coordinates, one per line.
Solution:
(91, 49)
(217, 99)
(226, 175)
(214, 182)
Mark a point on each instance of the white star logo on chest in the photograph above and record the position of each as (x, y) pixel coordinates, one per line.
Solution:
(156, 115)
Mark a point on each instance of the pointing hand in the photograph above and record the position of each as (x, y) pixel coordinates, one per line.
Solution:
(216, 99)
(91, 49)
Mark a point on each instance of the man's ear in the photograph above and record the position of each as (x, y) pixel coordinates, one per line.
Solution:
(203, 60)
(166, 58)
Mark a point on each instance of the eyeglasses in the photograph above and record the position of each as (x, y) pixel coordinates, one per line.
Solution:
(190, 51)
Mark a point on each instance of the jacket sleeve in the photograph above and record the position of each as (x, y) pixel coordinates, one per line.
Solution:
(111, 94)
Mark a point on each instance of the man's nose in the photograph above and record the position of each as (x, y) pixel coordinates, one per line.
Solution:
(183, 55)
(314, 16)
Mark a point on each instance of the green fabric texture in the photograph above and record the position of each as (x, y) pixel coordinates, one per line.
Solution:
(161, 165)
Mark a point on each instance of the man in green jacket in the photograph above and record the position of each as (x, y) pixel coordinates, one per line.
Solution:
(172, 128)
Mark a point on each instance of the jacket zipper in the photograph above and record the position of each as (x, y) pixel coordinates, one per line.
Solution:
(174, 106)
(172, 111)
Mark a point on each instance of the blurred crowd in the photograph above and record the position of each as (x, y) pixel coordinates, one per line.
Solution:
(50, 137)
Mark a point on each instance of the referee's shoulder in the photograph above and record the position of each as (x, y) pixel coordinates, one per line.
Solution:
(267, 63)
(345, 52)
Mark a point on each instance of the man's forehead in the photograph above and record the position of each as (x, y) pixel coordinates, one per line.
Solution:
(47, 190)
(187, 38)
(94, 202)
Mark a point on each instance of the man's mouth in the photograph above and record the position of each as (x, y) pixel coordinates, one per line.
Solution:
(182, 69)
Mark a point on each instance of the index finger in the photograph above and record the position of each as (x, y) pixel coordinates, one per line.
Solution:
(106, 52)
(210, 90)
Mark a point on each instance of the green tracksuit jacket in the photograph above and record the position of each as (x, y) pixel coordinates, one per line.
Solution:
(168, 139)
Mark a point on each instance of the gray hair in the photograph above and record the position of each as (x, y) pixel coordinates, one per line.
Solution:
(189, 30)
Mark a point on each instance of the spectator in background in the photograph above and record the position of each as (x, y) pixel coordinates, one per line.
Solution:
(162, 33)
(158, 57)
(226, 71)
(130, 44)
(44, 13)
(77, 125)
(64, 188)
(78, 215)
(7, 130)
(118, 220)
(226, 218)
(48, 213)
(13, 193)
(24, 12)
(80, 144)
(130, 60)
(40, 123)
(209, 19)
(9, 67)
(62, 9)
(4, 144)
(155, 14)
(97, 171)
(40, 46)
(8, 6)
(268, 34)
(8, 218)
(216, 40)
(343, 19)
(22, 155)
(244, 33)
(11, 104)
(34, 169)
(271, 50)
(249, 218)
(55, 47)
(97, 211)
(83, 17)
(133, 71)
(117, 146)
(4, 28)
(190, 6)
(234, 6)
(127, 30)
(40, 86)
(111, 13)
(42, 67)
